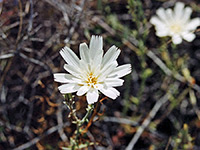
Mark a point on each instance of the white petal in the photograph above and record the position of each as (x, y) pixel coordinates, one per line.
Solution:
(170, 15)
(176, 39)
(121, 71)
(178, 10)
(69, 56)
(188, 36)
(96, 62)
(162, 32)
(83, 90)
(106, 71)
(63, 77)
(114, 82)
(111, 55)
(84, 52)
(68, 88)
(84, 67)
(96, 44)
(160, 26)
(193, 24)
(98, 86)
(156, 21)
(187, 14)
(162, 15)
(110, 92)
(92, 96)
(72, 70)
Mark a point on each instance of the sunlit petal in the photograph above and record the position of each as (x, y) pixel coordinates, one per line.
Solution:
(110, 92)
(69, 56)
(63, 77)
(68, 88)
(92, 96)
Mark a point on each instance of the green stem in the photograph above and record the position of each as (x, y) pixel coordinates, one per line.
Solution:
(89, 111)
(82, 121)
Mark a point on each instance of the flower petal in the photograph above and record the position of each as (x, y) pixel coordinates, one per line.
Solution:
(156, 21)
(92, 96)
(187, 14)
(121, 71)
(178, 10)
(110, 92)
(106, 71)
(170, 15)
(98, 86)
(84, 52)
(69, 56)
(111, 55)
(188, 36)
(162, 32)
(85, 68)
(96, 62)
(68, 88)
(193, 24)
(96, 45)
(114, 82)
(162, 15)
(176, 39)
(72, 70)
(63, 77)
(83, 90)
(160, 26)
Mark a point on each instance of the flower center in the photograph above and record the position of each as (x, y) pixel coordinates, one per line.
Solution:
(92, 80)
(176, 28)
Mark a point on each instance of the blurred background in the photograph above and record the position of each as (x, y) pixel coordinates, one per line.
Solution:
(158, 108)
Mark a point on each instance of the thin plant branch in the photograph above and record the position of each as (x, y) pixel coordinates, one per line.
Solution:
(37, 139)
(146, 122)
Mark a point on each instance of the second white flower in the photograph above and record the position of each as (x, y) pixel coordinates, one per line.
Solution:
(175, 23)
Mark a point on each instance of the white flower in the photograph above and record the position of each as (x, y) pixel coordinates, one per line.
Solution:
(93, 72)
(175, 23)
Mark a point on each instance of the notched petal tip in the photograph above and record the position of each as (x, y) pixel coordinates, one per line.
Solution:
(64, 49)
(96, 46)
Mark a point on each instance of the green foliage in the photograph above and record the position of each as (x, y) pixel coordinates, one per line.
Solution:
(114, 22)
(75, 142)
(78, 147)
(138, 17)
(183, 140)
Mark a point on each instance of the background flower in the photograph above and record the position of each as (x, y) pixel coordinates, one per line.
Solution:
(175, 23)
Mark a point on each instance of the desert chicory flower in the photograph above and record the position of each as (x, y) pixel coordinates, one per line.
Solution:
(93, 72)
(175, 23)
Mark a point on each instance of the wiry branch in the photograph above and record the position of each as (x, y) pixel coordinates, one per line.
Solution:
(37, 139)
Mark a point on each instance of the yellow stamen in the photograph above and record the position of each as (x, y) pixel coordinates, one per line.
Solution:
(92, 80)
(176, 28)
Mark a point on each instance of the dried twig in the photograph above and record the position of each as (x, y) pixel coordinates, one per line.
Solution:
(37, 139)
(120, 120)
(20, 22)
(60, 122)
(75, 22)
(163, 67)
(30, 25)
(60, 6)
(151, 115)
(146, 122)
(35, 61)
(5, 56)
